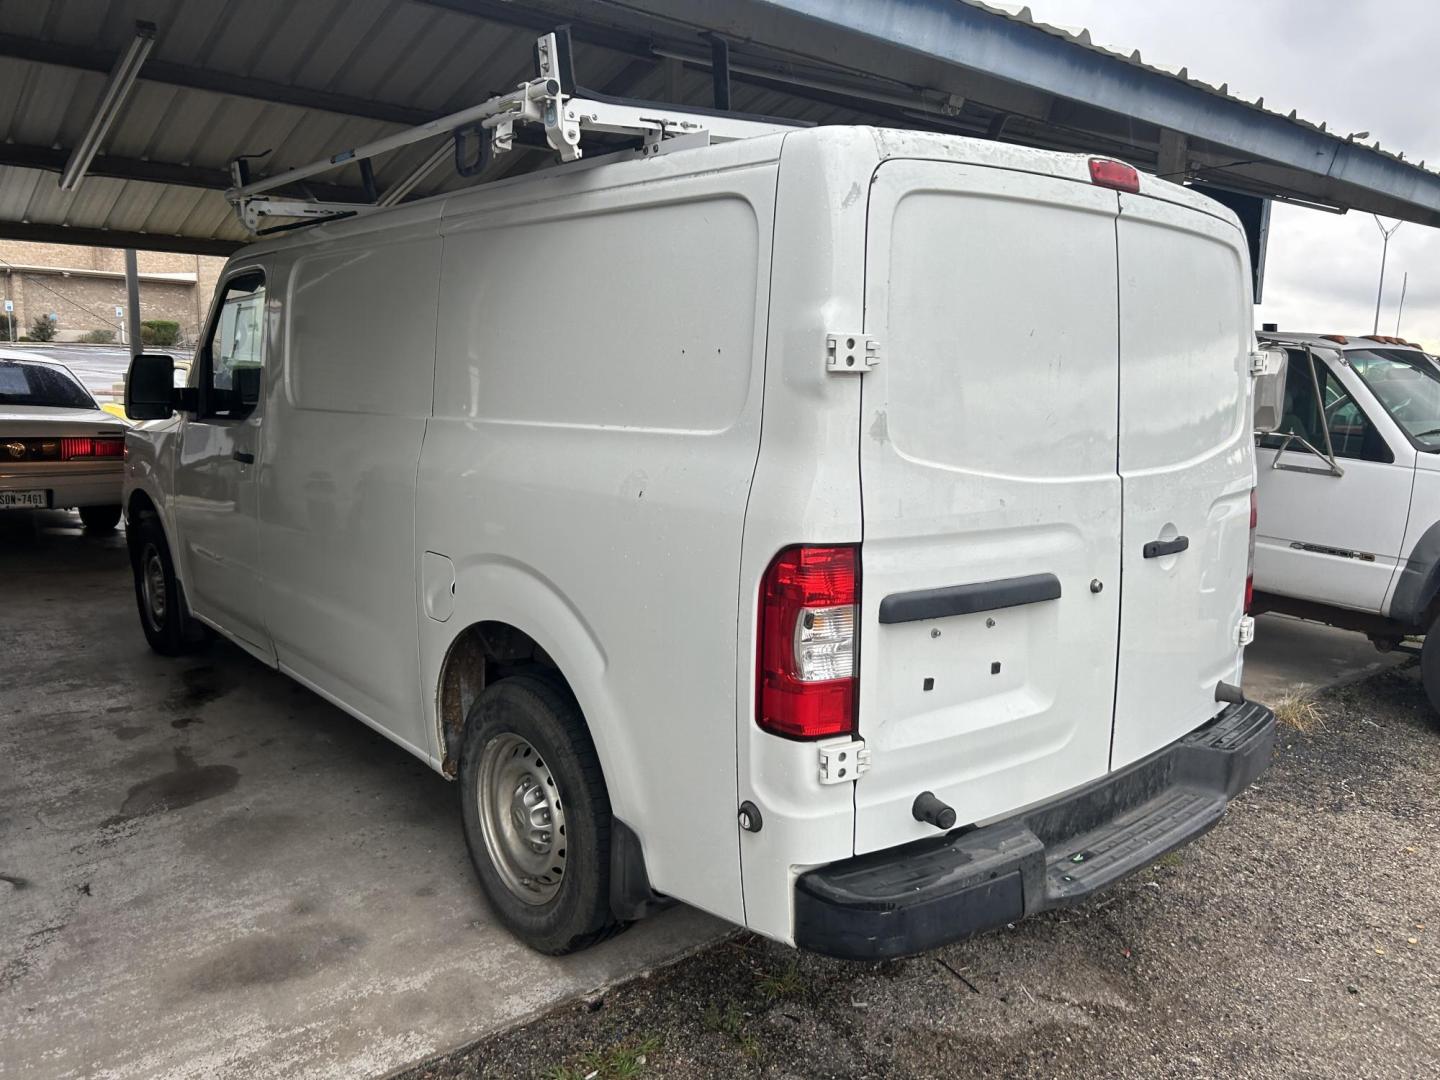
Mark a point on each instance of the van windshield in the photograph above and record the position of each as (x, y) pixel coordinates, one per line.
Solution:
(1407, 384)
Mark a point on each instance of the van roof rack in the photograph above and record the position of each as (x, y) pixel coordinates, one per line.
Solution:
(550, 101)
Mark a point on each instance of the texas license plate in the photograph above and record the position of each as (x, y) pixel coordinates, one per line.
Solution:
(24, 500)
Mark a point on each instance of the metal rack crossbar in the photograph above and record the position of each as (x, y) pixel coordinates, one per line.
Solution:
(544, 101)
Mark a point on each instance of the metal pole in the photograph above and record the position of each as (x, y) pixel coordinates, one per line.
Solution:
(1404, 284)
(132, 302)
(1384, 252)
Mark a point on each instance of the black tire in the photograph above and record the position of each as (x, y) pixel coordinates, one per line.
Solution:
(168, 626)
(100, 519)
(1430, 671)
(533, 710)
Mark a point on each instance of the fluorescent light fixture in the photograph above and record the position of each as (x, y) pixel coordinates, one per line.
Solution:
(117, 89)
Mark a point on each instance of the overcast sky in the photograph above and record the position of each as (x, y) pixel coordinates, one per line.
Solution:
(1363, 65)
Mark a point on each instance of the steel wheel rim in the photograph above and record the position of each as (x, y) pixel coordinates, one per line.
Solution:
(152, 586)
(522, 818)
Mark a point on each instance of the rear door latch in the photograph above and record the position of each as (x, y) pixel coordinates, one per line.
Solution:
(851, 354)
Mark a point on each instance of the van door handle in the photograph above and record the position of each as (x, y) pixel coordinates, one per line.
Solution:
(249, 459)
(1156, 548)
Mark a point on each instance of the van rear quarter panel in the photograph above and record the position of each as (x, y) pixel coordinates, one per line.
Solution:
(596, 419)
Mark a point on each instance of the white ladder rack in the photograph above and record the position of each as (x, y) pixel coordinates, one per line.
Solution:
(543, 101)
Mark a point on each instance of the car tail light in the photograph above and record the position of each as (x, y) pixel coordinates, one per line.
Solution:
(84, 446)
(1250, 562)
(809, 609)
(1108, 173)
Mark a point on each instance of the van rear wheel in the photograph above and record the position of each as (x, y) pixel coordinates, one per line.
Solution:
(537, 815)
(1430, 671)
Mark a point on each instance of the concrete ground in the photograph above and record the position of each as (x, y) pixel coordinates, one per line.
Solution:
(206, 870)
(1290, 656)
(1299, 938)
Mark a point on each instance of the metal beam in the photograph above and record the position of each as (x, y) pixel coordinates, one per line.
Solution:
(84, 58)
(61, 234)
(983, 41)
(50, 159)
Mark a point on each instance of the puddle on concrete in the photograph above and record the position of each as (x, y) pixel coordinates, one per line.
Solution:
(200, 685)
(126, 732)
(184, 785)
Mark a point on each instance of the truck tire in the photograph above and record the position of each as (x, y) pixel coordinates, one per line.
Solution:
(537, 815)
(1430, 671)
(100, 519)
(164, 616)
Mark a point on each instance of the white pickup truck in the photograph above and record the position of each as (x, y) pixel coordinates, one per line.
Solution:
(1349, 492)
(844, 531)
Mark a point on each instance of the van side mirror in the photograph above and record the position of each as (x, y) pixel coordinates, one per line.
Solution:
(1268, 400)
(150, 391)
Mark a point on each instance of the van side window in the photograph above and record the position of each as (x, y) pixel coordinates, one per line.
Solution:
(235, 354)
(1352, 435)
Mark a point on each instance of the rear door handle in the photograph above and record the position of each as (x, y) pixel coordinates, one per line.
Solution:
(1156, 548)
(249, 459)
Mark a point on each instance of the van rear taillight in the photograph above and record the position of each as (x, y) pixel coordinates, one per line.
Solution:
(1106, 172)
(1250, 562)
(809, 608)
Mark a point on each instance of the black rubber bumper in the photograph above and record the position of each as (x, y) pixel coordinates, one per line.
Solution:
(908, 899)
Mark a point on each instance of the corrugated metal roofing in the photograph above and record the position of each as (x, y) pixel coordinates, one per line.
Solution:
(302, 80)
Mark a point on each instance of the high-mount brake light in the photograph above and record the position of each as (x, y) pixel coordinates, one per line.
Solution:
(807, 676)
(1109, 173)
(1250, 562)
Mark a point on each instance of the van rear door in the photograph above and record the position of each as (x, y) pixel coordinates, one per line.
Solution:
(1186, 463)
(990, 565)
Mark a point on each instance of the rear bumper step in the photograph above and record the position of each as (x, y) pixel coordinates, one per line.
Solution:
(916, 897)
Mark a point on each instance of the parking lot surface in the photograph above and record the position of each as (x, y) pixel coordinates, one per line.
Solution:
(206, 870)
(1299, 938)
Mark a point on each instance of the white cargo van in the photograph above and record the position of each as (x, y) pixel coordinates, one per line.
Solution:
(1349, 492)
(843, 531)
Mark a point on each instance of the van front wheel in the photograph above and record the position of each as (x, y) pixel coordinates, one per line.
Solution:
(537, 815)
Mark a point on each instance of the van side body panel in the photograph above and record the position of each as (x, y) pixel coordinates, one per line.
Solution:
(345, 422)
(597, 417)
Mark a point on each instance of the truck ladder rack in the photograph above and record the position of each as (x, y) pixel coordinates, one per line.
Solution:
(544, 101)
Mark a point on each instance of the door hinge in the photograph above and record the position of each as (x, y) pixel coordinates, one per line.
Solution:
(851, 354)
(1245, 632)
(842, 762)
(1258, 363)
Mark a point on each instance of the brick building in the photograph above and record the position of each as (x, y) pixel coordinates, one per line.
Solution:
(82, 287)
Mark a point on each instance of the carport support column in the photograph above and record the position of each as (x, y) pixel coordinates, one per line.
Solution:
(132, 302)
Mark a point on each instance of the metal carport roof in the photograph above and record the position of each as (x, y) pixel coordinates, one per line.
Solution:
(302, 80)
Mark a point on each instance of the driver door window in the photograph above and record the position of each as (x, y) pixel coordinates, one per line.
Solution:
(1352, 435)
(234, 356)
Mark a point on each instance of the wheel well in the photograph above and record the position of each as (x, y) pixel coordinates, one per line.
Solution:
(482, 653)
(140, 505)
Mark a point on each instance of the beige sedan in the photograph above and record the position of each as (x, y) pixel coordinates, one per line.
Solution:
(58, 450)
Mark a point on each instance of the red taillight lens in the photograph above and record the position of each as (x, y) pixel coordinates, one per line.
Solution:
(86, 447)
(1105, 172)
(1250, 563)
(809, 607)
